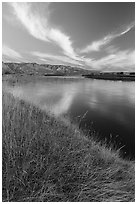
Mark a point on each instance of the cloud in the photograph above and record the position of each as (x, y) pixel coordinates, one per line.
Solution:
(38, 26)
(112, 49)
(97, 45)
(10, 53)
(63, 41)
(34, 24)
(35, 19)
(56, 58)
(124, 60)
(127, 28)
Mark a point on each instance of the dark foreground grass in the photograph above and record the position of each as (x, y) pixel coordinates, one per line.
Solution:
(47, 160)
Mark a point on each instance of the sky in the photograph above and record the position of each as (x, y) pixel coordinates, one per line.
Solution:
(98, 36)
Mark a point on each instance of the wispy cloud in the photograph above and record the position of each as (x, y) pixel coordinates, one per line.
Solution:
(10, 53)
(56, 58)
(63, 41)
(97, 45)
(124, 60)
(116, 59)
(35, 24)
(38, 26)
(112, 49)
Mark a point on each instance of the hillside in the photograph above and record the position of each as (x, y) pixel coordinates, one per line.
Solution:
(41, 69)
(6, 69)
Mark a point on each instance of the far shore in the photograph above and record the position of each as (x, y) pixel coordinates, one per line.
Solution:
(100, 77)
(112, 77)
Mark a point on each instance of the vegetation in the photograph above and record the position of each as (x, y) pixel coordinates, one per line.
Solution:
(124, 76)
(42, 69)
(45, 159)
(34, 69)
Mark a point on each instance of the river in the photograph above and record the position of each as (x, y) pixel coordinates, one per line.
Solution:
(102, 106)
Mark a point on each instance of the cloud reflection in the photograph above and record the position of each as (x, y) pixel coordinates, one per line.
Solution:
(107, 99)
(55, 98)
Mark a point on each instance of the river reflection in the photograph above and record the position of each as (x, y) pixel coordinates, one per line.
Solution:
(109, 105)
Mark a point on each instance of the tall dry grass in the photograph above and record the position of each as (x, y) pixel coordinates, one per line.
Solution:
(47, 160)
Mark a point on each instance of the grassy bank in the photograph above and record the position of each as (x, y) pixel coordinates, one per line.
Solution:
(47, 160)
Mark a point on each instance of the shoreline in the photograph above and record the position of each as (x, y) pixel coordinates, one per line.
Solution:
(116, 78)
(16, 77)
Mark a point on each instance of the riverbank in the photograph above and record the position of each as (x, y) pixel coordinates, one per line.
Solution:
(47, 160)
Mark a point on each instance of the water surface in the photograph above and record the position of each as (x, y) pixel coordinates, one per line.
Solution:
(107, 107)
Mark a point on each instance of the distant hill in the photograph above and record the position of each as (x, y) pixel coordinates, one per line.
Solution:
(42, 69)
(6, 69)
